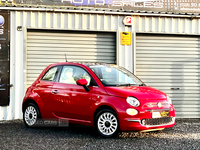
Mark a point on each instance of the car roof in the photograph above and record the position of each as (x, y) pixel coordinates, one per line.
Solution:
(82, 63)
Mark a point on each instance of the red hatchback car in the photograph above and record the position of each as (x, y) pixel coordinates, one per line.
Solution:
(106, 96)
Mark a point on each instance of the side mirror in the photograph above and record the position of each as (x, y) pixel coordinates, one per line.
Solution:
(83, 82)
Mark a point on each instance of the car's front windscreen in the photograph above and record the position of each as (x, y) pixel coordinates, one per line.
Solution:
(113, 75)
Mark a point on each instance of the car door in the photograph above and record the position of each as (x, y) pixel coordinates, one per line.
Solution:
(44, 88)
(70, 100)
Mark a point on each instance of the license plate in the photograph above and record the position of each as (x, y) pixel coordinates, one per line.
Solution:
(160, 114)
(156, 115)
(164, 114)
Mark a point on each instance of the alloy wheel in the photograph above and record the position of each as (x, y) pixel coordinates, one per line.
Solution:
(30, 115)
(107, 124)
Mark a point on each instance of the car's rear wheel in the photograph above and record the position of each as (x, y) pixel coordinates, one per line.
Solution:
(31, 115)
(107, 123)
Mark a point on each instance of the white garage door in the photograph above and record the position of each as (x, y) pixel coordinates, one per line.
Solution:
(47, 47)
(172, 64)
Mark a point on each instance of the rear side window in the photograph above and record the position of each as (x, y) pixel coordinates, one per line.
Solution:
(50, 74)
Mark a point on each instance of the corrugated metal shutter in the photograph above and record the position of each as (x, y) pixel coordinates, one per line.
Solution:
(47, 47)
(172, 64)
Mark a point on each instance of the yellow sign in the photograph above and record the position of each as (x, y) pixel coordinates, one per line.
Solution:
(125, 38)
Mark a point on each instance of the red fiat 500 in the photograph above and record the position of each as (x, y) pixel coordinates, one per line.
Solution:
(106, 96)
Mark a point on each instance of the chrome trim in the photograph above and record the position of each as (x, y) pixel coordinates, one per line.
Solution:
(134, 120)
(173, 121)
(158, 110)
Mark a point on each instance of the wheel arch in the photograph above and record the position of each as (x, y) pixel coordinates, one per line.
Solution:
(28, 101)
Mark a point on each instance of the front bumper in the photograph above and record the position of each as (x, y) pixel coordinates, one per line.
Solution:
(147, 124)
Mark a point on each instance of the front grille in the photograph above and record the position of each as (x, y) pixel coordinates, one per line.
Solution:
(156, 121)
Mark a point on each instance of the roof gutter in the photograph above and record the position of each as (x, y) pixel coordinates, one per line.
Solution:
(106, 12)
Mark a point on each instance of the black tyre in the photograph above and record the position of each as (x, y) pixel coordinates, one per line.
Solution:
(107, 123)
(31, 115)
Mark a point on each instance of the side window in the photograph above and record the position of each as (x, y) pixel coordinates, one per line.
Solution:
(50, 74)
(70, 74)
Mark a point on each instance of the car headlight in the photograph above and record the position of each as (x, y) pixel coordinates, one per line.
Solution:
(133, 101)
(169, 100)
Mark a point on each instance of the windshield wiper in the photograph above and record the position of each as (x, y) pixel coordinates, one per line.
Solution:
(125, 84)
(142, 84)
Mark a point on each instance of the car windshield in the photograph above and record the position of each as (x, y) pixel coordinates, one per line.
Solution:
(113, 75)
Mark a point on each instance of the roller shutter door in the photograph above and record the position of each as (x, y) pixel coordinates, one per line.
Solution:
(172, 64)
(44, 48)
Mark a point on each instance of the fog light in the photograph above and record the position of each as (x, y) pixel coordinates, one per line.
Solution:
(131, 111)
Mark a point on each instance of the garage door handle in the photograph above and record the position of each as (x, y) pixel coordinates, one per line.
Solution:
(10, 85)
(175, 88)
(55, 92)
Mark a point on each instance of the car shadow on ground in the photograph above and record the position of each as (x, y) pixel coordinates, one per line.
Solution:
(74, 130)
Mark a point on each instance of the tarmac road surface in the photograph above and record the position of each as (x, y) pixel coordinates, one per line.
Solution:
(185, 135)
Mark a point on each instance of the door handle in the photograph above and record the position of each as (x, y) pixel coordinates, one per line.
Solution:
(10, 85)
(54, 92)
(175, 88)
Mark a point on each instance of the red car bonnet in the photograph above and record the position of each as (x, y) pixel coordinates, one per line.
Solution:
(139, 92)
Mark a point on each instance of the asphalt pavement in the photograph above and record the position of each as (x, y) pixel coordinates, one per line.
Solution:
(185, 135)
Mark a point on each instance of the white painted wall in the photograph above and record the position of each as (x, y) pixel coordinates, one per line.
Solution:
(78, 21)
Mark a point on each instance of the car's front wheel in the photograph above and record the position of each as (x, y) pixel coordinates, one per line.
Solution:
(107, 123)
(31, 115)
